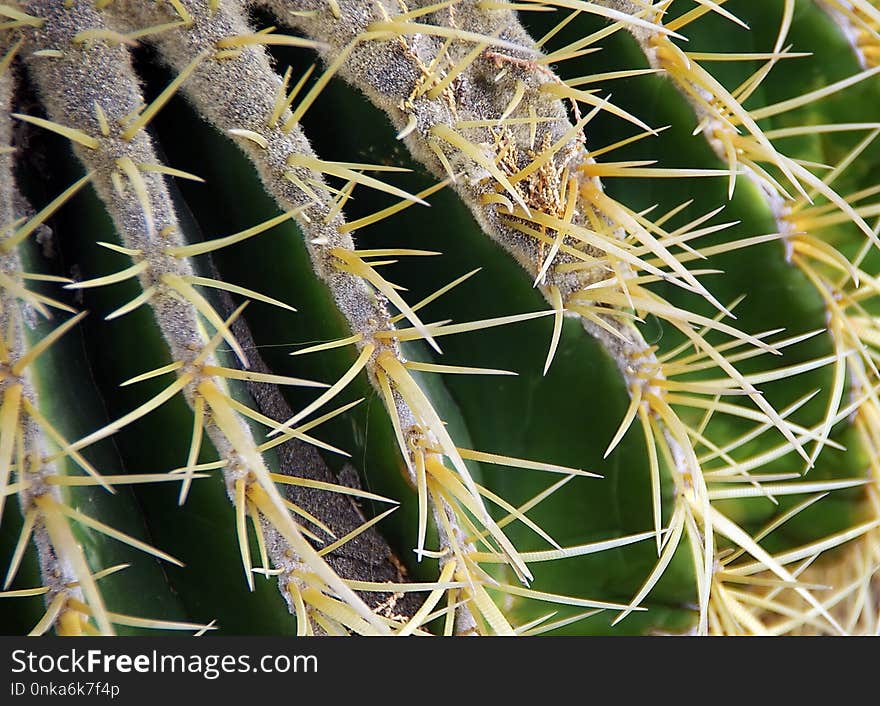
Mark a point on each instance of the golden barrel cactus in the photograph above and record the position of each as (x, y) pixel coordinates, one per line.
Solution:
(462, 317)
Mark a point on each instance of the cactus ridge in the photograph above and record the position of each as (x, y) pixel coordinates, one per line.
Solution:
(491, 114)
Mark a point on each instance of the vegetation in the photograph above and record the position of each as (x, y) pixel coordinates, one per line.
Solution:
(584, 341)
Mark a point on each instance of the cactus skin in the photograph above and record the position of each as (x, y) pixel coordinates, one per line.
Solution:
(738, 493)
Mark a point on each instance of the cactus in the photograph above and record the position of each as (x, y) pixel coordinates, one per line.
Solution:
(583, 342)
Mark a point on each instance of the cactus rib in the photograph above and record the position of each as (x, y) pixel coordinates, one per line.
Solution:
(809, 245)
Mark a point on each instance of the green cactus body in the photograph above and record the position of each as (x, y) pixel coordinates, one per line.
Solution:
(430, 317)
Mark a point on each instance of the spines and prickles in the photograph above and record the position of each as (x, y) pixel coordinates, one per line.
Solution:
(475, 100)
(60, 569)
(109, 136)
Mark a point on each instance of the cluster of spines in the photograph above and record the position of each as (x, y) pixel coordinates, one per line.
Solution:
(589, 254)
(123, 167)
(130, 184)
(563, 186)
(22, 447)
(263, 115)
(30, 460)
(860, 22)
(841, 283)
